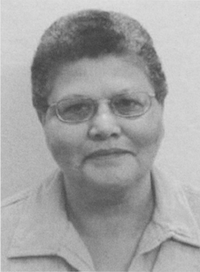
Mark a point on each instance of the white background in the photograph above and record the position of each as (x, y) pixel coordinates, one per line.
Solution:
(175, 28)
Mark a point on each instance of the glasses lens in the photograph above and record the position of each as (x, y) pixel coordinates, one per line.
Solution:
(130, 105)
(75, 110)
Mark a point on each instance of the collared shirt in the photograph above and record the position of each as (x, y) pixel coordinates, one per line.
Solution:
(37, 235)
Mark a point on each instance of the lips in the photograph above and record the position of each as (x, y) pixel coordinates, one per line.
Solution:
(107, 152)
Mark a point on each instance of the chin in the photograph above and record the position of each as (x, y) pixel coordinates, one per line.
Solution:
(123, 175)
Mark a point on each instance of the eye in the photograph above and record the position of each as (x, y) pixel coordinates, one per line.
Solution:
(127, 102)
(127, 105)
(75, 110)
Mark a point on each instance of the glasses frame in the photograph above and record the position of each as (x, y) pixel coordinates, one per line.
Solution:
(95, 102)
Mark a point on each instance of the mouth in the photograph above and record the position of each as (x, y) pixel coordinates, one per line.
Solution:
(103, 153)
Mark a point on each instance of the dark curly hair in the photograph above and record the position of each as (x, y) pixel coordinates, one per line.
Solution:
(91, 34)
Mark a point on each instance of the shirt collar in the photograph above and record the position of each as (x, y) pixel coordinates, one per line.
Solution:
(44, 228)
(172, 217)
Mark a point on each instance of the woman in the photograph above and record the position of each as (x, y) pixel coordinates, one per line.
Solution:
(99, 89)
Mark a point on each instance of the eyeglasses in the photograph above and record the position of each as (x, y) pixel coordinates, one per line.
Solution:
(78, 108)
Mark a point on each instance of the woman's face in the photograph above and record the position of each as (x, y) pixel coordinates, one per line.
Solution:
(106, 149)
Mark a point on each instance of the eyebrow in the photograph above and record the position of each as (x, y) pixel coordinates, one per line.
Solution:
(121, 92)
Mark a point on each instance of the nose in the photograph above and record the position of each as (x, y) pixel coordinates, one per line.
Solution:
(104, 124)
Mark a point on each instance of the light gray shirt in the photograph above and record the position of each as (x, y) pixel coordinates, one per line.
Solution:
(37, 235)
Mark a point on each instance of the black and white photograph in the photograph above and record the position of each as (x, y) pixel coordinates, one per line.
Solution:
(100, 135)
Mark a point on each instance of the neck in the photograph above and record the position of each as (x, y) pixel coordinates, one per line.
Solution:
(96, 209)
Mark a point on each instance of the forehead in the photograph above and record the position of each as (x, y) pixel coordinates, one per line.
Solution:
(97, 77)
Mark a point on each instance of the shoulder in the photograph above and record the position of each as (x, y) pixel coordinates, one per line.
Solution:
(11, 211)
(188, 192)
(193, 196)
(15, 199)
(12, 207)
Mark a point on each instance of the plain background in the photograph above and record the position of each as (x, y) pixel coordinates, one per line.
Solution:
(174, 26)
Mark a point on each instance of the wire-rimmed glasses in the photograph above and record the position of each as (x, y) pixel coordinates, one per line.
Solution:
(79, 108)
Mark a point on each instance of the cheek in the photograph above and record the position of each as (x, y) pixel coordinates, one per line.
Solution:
(146, 136)
(61, 150)
(65, 144)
